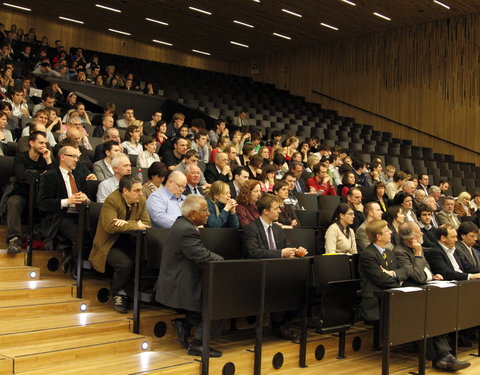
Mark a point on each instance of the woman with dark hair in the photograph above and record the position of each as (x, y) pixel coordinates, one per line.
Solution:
(395, 217)
(267, 178)
(6, 78)
(221, 207)
(221, 144)
(132, 141)
(247, 202)
(380, 196)
(255, 167)
(340, 238)
(406, 202)
(349, 180)
(247, 152)
(156, 175)
(149, 156)
(287, 217)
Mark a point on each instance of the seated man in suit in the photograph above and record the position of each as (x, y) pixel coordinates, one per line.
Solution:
(124, 210)
(447, 216)
(446, 260)
(409, 254)
(121, 167)
(265, 239)
(240, 176)
(430, 202)
(425, 215)
(467, 237)
(372, 211)
(378, 269)
(164, 204)
(220, 171)
(193, 174)
(103, 168)
(107, 123)
(61, 189)
(297, 168)
(191, 157)
(179, 283)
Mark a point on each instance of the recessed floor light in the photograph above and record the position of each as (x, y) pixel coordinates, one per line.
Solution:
(201, 52)
(282, 36)
(70, 19)
(17, 7)
(441, 4)
(200, 11)
(329, 26)
(292, 13)
(239, 44)
(382, 16)
(162, 42)
(157, 21)
(108, 8)
(243, 24)
(119, 32)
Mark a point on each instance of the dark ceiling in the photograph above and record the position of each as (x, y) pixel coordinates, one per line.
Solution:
(188, 29)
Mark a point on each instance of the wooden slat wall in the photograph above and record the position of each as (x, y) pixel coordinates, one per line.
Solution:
(73, 36)
(426, 76)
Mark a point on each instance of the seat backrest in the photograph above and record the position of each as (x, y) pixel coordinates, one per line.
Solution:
(302, 237)
(328, 202)
(156, 238)
(223, 241)
(307, 201)
(332, 267)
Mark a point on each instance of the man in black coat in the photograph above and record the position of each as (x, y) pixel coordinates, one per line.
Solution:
(60, 190)
(409, 254)
(220, 171)
(180, 279)
(378, 268)
(264, 239)
(446, 260)
(425, 215)
(467, 238)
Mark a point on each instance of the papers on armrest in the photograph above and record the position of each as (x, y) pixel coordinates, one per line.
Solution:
(407, 289)
(441, 283)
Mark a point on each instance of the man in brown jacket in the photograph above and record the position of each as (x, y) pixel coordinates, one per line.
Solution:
(124, 210)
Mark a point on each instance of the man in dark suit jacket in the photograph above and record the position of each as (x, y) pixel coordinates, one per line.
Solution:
(264, 239)
(194, 174)
(425, 215)
(180, 279)
(467, 237)
(445, 260)
(240, 175)
(378, 268)
(60, 190)
(409, 254)
(220, 171)
(297, 169)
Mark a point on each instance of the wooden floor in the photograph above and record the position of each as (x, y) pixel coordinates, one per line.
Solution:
(43, 331)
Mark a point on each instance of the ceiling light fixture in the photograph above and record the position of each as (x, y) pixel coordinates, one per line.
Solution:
(382, 16)
(108, 8)
(243, 24)
(157, 21)
(239, 44)
(201, 52)
(200, 10)
(119, 32)
(17, 7)
(441, 4)
(292, 13)
(282, 36)
(349, 2)
(70, 19)
(329, 26)
(161, 42)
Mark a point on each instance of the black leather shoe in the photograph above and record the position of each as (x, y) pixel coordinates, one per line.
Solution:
(450, 363)
(182, 331)
(285, 332)
(194, 349)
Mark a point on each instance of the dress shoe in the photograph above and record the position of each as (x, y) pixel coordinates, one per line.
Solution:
(284, 331)
(194, 349)
(182, 330)
(450, 363)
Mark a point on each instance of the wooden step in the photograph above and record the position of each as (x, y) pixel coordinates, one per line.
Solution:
(6, 365)
(48, 261)
(10, 260)
(33, 289)
(40, 307)
(19, 273)
(65, 350)
(137, 363)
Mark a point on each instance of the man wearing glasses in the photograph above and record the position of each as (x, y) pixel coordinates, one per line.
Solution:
(164, 204)
(61, 190)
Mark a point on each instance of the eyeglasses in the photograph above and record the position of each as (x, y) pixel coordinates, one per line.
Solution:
(180, 186)
(73, 156)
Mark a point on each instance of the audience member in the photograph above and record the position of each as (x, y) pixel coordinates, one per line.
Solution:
(354, 199)
(340, 238)
(447, 216)
(287, 217)
(247, 199)
(103, 168)
(220, 171)
(174, 157)
(240, 176)
(467, 239)
(462, 205)
(147, 157)
(372, 211)
(221, 207)
(194, 175)
(128, 118)
(157, 173)
(121, 167)
(392, 188)
(424, 216)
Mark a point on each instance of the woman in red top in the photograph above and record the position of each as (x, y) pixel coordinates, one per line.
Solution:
(247, 200)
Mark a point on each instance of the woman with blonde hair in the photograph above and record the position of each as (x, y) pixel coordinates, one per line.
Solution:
(221, 206)
(291, 145)
(462, 205)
